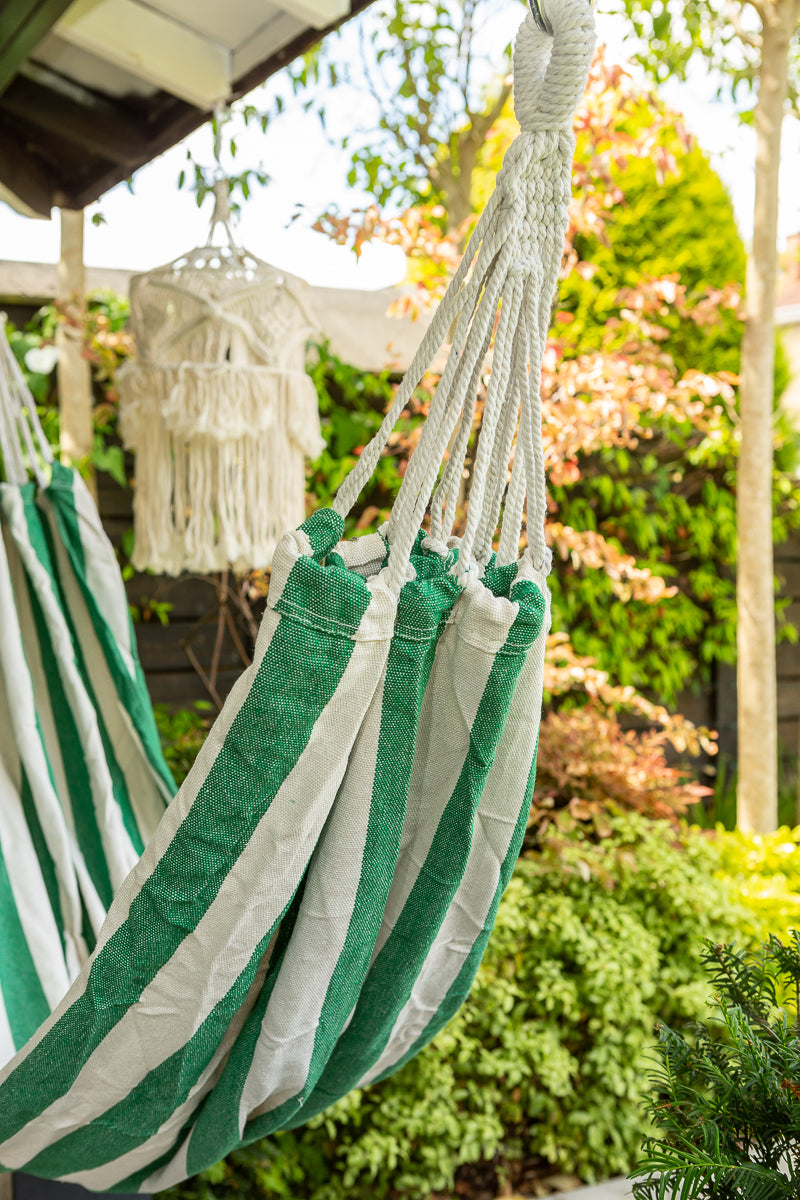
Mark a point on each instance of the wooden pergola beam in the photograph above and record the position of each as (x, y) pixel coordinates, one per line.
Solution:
(42, 179)
(23, 179)
(318, 13)
(177, 120)
(74, 374)
(97, 125)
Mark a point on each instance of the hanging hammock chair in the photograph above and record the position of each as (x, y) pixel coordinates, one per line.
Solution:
(218, 407)
(314, 904)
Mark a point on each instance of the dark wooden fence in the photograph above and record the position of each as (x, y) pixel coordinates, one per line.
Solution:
(787, 567)
(193, 621)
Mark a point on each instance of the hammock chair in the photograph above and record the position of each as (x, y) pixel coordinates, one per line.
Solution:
(83, 783)
(315, 902)
(218, 407)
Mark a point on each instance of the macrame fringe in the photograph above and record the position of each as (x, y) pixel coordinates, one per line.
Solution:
(219, 462)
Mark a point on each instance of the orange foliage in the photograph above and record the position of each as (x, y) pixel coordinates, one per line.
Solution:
(586, 761)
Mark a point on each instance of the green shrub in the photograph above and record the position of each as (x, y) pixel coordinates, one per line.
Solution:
(598, 937)
(671, 503)
(183, 732)
(727, 1098)
(765, 870)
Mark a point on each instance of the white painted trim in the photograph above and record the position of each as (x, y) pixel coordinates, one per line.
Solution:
(152, 47)
(266, 41)
(316, 13)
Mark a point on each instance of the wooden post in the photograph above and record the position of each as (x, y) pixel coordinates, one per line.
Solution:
(757, 798)
(74, 373)
(6, 1187)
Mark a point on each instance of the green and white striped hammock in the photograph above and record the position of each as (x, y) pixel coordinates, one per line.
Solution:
(315, 901)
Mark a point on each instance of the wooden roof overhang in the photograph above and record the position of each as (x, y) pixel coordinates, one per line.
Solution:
(92, 90)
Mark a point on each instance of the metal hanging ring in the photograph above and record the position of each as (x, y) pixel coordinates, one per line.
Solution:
(541, 21)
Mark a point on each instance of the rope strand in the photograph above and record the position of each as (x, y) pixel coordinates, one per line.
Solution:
(512, 261)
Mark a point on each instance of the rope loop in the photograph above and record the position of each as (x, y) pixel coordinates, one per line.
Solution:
(550, 71)
(510, 268)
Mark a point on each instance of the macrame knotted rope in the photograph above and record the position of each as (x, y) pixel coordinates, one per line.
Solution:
(218, 407)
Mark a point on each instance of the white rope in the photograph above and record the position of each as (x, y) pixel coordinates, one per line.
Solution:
(16, 403)
(498, 478)
(445, 497)
(515, 501)
(408, 518)
(452, 303)
(512, 261)
(448, 403)
(499, 387)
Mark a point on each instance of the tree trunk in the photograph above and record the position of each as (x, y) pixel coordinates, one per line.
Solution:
(757, 799)
(74, 373)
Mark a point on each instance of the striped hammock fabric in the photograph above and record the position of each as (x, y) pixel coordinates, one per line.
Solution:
(83, 783)
(314, 904)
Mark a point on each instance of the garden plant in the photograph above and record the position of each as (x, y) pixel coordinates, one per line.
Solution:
(727, 1093)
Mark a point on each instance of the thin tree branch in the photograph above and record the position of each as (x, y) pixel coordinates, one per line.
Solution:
(733, 15)
(483, 122)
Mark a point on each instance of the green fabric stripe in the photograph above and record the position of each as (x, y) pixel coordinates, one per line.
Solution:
(423, 607)
(219, 1117)
(132, 692)
(133, 1182)
(46, 864)
(75, 769)
(392, 976)
(324, 529)
(23, 996)
(119, 786)
(266, 739)
(140, 1115)
(460, 988)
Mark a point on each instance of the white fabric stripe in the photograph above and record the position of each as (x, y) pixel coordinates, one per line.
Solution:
(144, 789)
(452, 698)
(7, 1047)
(34, 657)
(22, 724)
(26, 882)
(282, 1057)
(119, 853)
(112, 1173)
(51, 746)
(102, 570)
(497, 816)
(206, 965)
(95, 909)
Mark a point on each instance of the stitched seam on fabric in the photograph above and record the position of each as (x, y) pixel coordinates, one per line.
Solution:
(293, 612)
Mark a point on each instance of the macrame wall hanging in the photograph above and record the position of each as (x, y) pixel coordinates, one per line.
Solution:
(218, 408)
